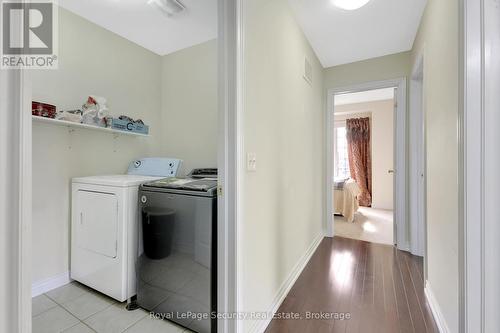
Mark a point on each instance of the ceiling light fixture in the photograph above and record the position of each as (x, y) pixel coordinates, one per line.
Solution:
(168, 7)
(349, 4)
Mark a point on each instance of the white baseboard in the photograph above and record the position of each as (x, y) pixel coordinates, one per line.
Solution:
(260, 326)
(436, 309)
(40, 287)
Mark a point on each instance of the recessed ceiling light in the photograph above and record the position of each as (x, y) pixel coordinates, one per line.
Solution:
(349, 4)
(168, 7)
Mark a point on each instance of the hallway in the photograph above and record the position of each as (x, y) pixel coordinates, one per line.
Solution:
(379, 287)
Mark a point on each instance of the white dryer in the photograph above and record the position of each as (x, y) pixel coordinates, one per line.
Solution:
(104, 226)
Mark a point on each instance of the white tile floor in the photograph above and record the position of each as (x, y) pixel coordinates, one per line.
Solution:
(75, 308)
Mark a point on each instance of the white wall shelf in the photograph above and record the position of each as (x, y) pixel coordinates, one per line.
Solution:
(70, 124)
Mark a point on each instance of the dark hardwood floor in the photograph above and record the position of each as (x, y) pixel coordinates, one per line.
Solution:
(379, 287)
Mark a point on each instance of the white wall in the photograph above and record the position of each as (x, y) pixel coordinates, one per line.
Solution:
(92, 61)
(283, 123)
(382, 143)
(189, 105)
(437, 39)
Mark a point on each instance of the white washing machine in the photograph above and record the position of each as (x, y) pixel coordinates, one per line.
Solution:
(104, 226)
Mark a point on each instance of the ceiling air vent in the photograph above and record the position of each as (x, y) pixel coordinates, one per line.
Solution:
(308, 71)
(168, 7)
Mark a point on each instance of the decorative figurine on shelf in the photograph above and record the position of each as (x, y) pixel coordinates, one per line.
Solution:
(95, 111)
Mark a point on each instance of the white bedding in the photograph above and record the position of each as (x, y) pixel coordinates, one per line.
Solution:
(345, 202)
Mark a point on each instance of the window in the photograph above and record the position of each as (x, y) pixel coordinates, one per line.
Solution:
(340, 157)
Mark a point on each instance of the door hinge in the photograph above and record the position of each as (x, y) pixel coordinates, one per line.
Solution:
(219, 191)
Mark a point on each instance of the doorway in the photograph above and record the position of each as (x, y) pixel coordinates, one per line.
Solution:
(363, 198)
(398, 172)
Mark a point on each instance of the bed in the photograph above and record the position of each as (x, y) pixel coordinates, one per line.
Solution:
(345, 200)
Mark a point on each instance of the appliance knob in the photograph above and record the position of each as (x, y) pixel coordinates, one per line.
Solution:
(144, 199)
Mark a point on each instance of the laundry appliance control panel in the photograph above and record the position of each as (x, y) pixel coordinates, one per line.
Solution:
(156, 167)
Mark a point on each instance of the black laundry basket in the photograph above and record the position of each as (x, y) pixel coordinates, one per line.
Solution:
(157, 231)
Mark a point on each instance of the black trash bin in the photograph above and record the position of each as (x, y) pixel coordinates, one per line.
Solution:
(157, 232)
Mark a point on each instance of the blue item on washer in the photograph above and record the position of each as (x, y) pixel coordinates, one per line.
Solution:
(155, 166)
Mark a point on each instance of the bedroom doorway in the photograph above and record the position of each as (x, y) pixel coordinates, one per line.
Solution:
(366, 136)
(363, 165)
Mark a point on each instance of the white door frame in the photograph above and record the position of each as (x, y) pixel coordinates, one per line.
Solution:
(400, 139)
(230, 64)
(479, 161)
(15, 175)
(417, 160)
(491, 164)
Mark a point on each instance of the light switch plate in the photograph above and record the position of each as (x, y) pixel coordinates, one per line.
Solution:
(251, 162)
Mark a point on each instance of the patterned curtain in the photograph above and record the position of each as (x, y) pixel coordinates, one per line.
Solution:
(359, 153)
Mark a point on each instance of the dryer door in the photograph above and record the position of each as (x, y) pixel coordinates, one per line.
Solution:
(97, 222)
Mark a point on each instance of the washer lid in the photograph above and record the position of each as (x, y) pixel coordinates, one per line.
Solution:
(116, 180)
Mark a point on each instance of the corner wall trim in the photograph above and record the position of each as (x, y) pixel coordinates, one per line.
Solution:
(435, 309)
(42, 286)
(261, 326)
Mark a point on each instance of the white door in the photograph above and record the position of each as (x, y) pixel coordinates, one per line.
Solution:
(96, 226)
(395, 202)
(417, 164)
(420, 248)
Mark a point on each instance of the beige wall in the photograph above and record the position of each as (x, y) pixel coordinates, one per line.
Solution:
(382, 125)
(189, 105)
(92, 61)
(437, 39)
(283, 119)
(376, 69)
